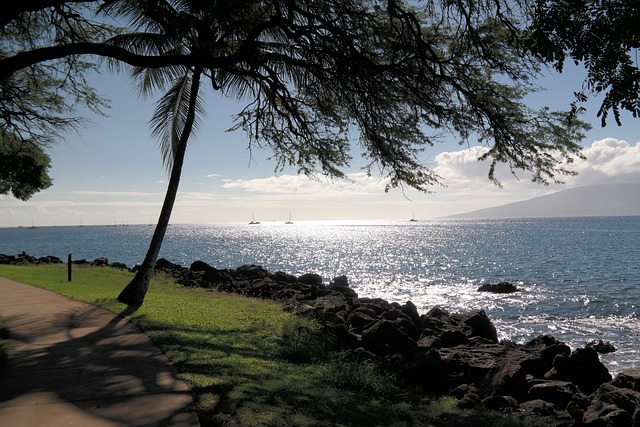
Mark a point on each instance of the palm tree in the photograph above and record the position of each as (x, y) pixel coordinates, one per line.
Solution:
(178, 109)
(176, 115)
(187, 28)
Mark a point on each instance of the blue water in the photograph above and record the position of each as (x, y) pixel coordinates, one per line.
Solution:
(581, 276)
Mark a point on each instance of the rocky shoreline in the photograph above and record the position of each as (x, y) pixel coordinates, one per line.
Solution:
(456, 354)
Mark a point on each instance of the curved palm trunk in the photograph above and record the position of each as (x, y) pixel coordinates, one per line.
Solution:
(135, 291)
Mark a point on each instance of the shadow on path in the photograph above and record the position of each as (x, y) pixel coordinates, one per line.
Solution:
(73, 364)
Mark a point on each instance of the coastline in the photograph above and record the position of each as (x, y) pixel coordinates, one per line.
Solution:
(440, 352)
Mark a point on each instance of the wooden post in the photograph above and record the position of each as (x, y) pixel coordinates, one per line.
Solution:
(69, 268)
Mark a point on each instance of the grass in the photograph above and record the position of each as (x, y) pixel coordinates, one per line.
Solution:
(248, 363)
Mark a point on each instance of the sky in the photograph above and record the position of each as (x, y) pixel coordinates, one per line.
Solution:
(111, 172)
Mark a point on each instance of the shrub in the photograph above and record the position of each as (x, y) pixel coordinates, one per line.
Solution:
(302, 341)
(361, 376)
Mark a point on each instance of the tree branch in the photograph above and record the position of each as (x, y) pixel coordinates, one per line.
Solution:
(10, 65)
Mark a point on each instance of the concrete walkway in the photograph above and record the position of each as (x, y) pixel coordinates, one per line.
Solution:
(73, 364)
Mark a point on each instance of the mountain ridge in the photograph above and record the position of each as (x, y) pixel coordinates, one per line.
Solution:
(589, 200)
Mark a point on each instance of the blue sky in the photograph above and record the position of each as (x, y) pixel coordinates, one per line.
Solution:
(111, 172)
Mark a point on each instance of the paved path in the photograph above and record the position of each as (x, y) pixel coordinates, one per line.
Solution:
(73, 364)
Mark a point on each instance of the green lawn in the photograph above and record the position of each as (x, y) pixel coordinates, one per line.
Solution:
(251, 364)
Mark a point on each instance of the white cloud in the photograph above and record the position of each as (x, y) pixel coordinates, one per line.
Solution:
(462, 166)
(300, 185)
(608, 161)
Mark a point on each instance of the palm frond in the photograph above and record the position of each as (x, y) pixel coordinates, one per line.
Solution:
(152, 80)
(169, 118)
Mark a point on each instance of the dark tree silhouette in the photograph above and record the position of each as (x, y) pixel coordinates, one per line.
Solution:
(313, 74)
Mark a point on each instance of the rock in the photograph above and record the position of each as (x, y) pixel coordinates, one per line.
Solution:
(453, 338)
(500, 403)
(544, 350)
(385, 338)
(629, 378)
(24, 258)
(7, 259)
(343, 289)
(260, 288)
(213, 277)
(437, 312)
(602, 347)
(169, 268)
(411, 311)
(427, 371)
(330, 303)
(539, 407)
(498, 288)
(340, 281)
(539, 354)
(404, 324)
(101, 262)
(192, 278)
(623, 398)
(429, 341)
(468, 396)
(251, 272)
(559, 393)
(600, 414)
(281, 276)
(471, 365)
(582, 367)
(199, 266)
(507, 379)
(375, 305)
(310, 279)
(481, 326)
(49, 259)
(119, 265)
(575, 411)
(341, 337)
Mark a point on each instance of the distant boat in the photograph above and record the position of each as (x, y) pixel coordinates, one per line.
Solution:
(289, 222)
(253, 220)
(413, 217)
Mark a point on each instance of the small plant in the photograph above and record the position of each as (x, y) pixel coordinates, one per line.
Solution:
(302, 341)
(360, 376)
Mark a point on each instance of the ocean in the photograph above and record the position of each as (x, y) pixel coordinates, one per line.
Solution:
(580, 276)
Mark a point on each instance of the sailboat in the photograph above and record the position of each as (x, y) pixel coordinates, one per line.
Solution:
(289, 222)
(253, 220)
(413, 217)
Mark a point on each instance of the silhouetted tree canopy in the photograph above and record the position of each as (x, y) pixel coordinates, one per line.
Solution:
(317, 77)
(24, 168)
(601, 35)
(396, 75)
